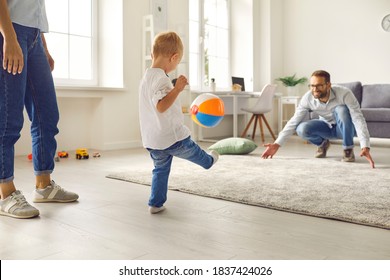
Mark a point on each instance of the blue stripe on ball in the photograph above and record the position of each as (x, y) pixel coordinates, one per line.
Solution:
(208, 120)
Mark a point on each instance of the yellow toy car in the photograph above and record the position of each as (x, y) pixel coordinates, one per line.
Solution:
(82, 154)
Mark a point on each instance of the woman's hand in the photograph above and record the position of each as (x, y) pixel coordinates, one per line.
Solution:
(13, 61)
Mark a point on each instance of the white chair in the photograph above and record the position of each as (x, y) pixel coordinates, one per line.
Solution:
(263, 105)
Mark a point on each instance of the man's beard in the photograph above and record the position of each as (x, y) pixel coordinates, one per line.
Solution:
(321, 95)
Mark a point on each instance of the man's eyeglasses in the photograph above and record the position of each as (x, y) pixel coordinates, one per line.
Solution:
(320, 86)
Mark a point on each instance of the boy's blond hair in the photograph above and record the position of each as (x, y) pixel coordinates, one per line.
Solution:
(167, 44)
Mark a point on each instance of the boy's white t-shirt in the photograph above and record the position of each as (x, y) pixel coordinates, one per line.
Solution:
(159, 130)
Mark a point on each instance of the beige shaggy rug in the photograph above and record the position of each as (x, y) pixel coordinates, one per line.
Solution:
(328, 188)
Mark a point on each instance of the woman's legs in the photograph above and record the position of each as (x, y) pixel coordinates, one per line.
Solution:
(12, 93)
(42, 109)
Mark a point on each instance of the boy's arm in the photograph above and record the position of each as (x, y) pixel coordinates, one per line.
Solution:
(12, 53)
(165, 103)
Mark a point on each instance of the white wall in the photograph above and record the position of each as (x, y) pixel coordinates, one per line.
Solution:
(343, 37)
(267, 48)
(241, 52)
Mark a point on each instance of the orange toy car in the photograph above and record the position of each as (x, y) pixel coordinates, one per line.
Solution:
(63, 154)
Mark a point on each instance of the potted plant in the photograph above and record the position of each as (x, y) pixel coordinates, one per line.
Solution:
(290, 82)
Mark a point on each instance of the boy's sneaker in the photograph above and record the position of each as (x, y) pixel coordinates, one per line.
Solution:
(215, 156)
(322, 149)
(348, 155)
(155, 210)
(16, 206)
(53, 193)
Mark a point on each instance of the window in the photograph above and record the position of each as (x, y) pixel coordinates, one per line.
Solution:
(72, 41)
(209, 43)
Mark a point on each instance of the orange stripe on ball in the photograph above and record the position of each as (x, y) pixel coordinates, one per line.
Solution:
(213, 107)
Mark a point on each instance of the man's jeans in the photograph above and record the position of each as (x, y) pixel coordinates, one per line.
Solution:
(185, 149)
(33, 89)
(316, 131)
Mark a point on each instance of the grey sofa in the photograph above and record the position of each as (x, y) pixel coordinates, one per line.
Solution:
(374, 101)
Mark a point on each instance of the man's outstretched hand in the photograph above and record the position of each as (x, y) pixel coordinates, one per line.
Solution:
(270, 150)
(366, 153)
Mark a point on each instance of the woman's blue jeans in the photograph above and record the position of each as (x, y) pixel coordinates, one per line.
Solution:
(316, 131)
(185, 149)
(34, 90)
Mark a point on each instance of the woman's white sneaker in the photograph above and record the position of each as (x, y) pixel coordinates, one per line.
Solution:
(53, 193)
(16, 206)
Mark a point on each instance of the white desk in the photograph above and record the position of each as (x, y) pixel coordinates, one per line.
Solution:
(232, 101)
(282, 100)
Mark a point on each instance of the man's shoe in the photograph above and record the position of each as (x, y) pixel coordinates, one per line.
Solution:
(16, 206)
(53, 193)
(322, 149)
(348, 156)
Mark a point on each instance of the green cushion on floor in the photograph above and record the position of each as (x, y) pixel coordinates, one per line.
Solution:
(234, 146)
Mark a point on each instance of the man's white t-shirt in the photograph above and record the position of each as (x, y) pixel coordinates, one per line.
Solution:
(159, 130)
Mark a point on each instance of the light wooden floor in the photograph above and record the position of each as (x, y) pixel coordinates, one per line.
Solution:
(111, 220)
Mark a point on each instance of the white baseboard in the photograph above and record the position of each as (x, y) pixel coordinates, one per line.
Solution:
(120, 145)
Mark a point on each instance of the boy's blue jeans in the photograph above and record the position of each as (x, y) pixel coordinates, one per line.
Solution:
(316, 131)
(34, 90)
(186, 149)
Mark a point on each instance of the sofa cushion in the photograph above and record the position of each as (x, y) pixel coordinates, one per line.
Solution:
(379, 129)
(376, 96)
(356, 88)
(376, 114)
